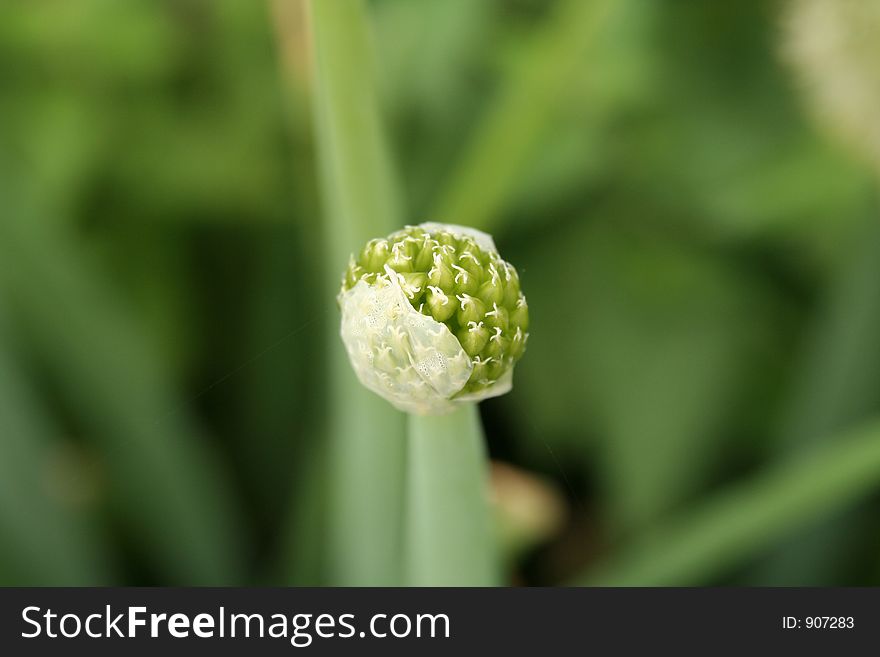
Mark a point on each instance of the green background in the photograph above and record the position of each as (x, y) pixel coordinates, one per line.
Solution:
(699, 402)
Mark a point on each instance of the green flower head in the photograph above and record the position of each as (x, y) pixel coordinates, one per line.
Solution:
(432, 316)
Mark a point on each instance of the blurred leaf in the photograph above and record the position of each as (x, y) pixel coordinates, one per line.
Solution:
(48, 538)
(656, 344)
(304, 560)
(522, 109)
(167, 489)
(738, 523)
(597, 113)
(837, 384)
(725, 140)
(275, 418)
(424, 48)
(431, 55)
(839, 379)
(169, 111)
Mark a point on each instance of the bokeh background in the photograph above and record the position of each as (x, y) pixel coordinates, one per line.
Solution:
(689, 190)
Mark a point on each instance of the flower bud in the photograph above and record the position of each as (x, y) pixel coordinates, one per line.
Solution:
(441, 305)
(432, 316)
(470, 310)
(473, 337)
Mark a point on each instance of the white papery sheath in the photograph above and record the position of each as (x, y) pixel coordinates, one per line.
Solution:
(412, 360)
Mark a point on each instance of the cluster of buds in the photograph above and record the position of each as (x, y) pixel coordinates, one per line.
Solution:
(432, 316)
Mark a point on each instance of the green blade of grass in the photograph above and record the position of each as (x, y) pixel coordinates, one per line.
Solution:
(449, 539)
(737, 524)
(524, 106)
(366, 434)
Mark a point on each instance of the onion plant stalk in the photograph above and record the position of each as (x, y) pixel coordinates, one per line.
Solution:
(433, 321)
(366, 438)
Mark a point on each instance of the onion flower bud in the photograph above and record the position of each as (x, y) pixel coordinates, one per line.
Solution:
(433, 317)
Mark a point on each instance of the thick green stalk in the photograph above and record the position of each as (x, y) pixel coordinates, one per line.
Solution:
(736, 525)
(366, 434)
(448, 533)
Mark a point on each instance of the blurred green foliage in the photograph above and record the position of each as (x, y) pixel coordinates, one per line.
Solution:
(701, 264)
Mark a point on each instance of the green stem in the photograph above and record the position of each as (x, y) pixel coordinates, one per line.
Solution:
(365, 434)
(448, 526)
